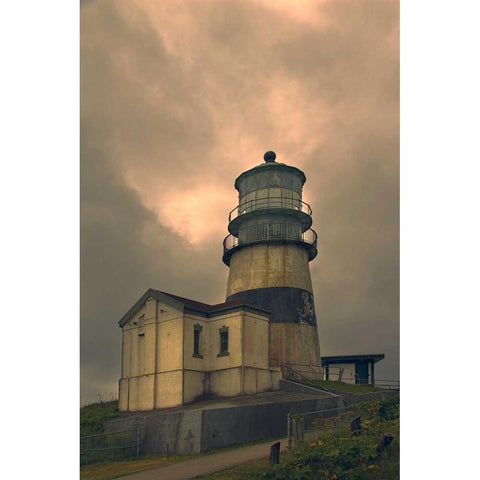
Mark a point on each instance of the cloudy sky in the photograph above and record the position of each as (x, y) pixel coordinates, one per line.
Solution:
(178, 98)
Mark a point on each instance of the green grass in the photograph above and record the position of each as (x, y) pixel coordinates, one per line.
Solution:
(110, 470)
(93, 415)
(345, 387)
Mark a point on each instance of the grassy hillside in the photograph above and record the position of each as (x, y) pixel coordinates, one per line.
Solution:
(92, 416)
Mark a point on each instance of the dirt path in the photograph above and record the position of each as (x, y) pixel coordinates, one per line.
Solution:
(207, 464)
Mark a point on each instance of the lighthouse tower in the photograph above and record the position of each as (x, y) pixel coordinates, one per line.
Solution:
(268, 251)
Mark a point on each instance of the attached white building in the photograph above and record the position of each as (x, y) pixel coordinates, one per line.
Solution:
(176, 351)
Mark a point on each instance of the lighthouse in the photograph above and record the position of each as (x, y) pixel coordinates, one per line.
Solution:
(268, 251)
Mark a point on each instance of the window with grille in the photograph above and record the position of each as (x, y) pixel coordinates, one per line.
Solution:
(197, 330)
(223, 342)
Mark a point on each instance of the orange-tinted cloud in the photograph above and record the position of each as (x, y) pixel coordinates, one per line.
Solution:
(179, 97)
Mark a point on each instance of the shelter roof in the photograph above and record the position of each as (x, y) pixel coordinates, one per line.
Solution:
(352, 358)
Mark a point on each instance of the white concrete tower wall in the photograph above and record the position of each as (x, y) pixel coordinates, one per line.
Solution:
(268, 251)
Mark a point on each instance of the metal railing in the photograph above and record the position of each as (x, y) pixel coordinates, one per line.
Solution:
(302, 373)
(306, 427)
(389, 384)
(297, 372)
(270, 231)
(108, 446)
(269, 203)
(301, 424)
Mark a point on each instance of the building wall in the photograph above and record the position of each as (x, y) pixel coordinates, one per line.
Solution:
(169, 389)
(159, 369)
(257, 380)
(194, 385)
(189, 361)
(226, 382)
(151, 379)
(232, 320)
(255, 338)
(348, 372)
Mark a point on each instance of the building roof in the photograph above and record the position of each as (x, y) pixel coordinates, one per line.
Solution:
(191, 305)
(352, 358)
(271, 166)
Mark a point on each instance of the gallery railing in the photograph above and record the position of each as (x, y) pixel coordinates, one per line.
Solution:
(270, 231)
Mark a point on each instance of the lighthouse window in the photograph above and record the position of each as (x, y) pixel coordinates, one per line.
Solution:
(275, 197)
(272, 197)
(262, 199)
(287, 198)
(223, 342)
(247, 203)
(296, 201)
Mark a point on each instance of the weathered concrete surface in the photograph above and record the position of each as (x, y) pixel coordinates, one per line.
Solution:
(269, 265)
(295, 344)
(218, 423)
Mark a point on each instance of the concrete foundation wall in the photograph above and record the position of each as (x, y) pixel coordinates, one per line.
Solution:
(223, 427)
(175, 433)
(203, 430)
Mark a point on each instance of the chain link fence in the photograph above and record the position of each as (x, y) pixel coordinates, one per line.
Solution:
(309, 427)
(104, 447)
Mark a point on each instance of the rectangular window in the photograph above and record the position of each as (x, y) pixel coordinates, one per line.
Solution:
(223, 342)
(197, 329)
(196, 342)
(275, 198)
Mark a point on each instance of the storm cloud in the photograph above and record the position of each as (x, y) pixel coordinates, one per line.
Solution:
(178, 98)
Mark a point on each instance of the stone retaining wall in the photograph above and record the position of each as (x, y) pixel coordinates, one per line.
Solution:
(196, 431)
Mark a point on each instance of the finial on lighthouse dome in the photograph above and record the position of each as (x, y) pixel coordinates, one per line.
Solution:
(270, 156)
